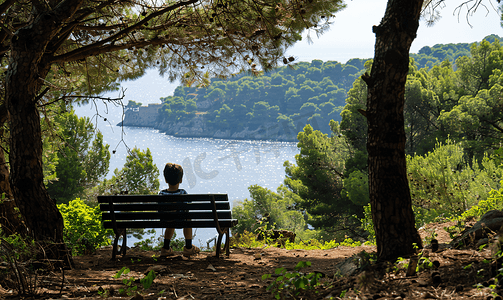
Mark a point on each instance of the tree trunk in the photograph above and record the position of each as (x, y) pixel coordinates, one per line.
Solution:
(11, 221)
(24, 80)
(389, 189)
(42, 217)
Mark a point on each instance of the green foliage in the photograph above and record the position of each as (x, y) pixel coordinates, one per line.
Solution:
(431, 56)
(268, 208)
(494, 201)
(497, 156)
(251, 36)
(292, 284)
(421, 263)
(426, 215)
(177, 108)
(456, 229)
(458, 101)
(368, 225)
(322, 245)
(18, 273)
(424, 263)
(146, 244)
(248, 240)
(139, 173)
(24, 248)
(476, 118)
(131, 289)
(82, 158)
(401, 264)
(83, 229)
(150, 244)
(356, 187)
(353, 123)
(133, 104)
(50, 154)
(446, 178)
(139, 176)
(443, 182)
(147, 281)
(318, 178)
(432, 235)
(134, 38)
(458, 106)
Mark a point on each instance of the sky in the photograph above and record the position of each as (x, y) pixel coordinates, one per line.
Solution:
(350, 36)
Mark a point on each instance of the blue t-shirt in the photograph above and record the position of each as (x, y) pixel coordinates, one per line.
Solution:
(170, 193)
(178, 192)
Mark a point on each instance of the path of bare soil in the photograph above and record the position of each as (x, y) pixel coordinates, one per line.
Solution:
(239, 276)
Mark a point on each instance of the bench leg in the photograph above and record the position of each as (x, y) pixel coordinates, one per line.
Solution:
(227, 242)
(114, 247)
(124, 243)
(219, 244)
(116, 242)
(225, 232)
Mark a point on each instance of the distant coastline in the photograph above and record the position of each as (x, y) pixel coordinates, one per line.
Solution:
(148, 116)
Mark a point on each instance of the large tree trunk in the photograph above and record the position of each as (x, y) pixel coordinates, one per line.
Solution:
(29, 64)
(389, 189)
(24, 80)
(11, 221)
(42, 217)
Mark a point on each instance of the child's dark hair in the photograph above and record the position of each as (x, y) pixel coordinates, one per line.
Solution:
(173, 173)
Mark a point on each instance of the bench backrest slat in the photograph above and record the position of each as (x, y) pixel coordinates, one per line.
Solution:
(164, 206)
(199, 215)
(161, 198)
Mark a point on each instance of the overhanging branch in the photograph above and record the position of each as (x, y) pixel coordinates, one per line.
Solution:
(97, 47)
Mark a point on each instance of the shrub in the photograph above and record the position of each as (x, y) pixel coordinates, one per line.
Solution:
(494, 201)
(444, 182)
(425, 215)
(291, 284)
(248, 240)
(84, 231)
(17, 272)
(368, 225)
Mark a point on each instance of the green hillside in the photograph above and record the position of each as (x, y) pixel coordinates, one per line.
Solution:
(432, 56)
(288, 97)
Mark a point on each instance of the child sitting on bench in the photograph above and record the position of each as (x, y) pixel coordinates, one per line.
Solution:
(173, 174)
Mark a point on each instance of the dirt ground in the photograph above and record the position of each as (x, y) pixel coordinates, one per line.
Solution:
(239, 276)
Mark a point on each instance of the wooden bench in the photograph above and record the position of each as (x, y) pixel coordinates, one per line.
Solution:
(173, 211)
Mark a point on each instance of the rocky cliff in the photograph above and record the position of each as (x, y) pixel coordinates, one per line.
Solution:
(144, 116)
(147, 116)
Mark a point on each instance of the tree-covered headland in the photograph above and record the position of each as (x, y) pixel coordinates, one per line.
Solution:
(284, 98)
